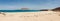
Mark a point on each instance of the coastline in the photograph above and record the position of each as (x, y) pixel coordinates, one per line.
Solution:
(31, 16)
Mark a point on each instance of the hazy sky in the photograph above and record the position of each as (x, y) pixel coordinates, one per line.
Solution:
(32, 4)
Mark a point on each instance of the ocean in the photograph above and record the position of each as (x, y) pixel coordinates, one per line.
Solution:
(19, 10)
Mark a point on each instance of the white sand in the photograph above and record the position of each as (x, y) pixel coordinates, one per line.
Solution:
(31, 16)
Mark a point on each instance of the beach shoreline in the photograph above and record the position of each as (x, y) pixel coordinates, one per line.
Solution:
(31, 16)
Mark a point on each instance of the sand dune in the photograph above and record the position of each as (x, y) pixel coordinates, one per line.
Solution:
(31, 16)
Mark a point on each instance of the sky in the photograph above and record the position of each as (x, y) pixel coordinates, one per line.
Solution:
(32, 4)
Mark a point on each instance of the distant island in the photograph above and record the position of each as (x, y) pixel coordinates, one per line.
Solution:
(25, 9)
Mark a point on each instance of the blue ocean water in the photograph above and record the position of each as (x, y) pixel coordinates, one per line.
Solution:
(19, 10)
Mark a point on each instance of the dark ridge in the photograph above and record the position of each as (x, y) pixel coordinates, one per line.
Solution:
(56, 9)
(44, 10)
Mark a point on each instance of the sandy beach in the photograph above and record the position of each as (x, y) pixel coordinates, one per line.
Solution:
(31, 16)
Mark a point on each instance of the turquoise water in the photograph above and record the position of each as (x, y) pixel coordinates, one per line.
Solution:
(19, 10)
